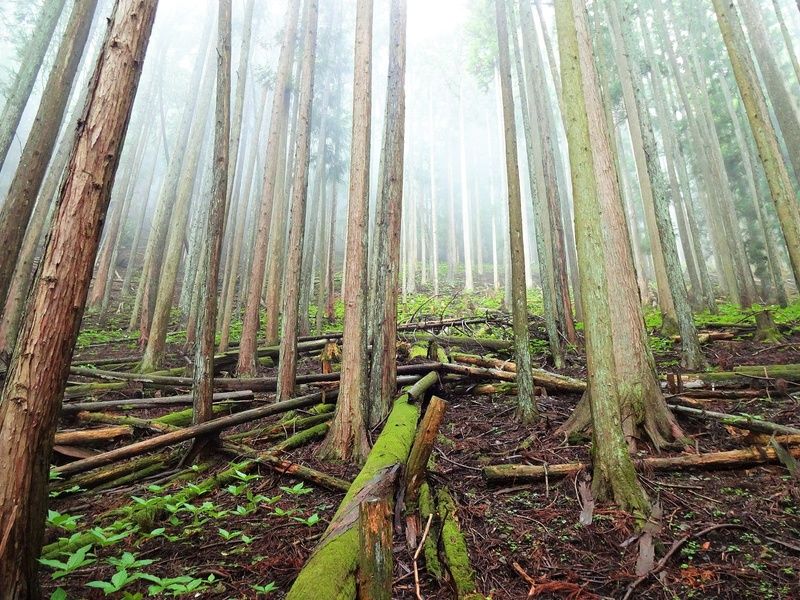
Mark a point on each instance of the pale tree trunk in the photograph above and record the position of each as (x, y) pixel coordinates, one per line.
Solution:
(691, 356)
(347, 437)
(142, 311)
(642, 407)
(665, 300)
(541, 208)
(775, 81)
(35, 382)
(613, 471)
(787, 38)
(466, 232)
(153, 356)
(766, 139)
(287, 365)
(527, 411)
(330, 259)
(383, 302)
(452, 248)
(434, 199)
(16, 210)
(234, 257)
(32, 58)
(247, 346)
(203, 384)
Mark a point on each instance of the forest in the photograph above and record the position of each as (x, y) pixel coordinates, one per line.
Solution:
(343, 299)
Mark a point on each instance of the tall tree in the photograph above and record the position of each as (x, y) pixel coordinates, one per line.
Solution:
(247, 345)
(31, 62)
(526, 406)
(287, 365)
(388, 215)
(34, 386)
(203, 388)
(348, 436)
(16, 211)
(613, 471)
(755, 103)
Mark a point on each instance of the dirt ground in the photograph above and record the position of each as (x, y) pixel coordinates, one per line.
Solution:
(524, 540)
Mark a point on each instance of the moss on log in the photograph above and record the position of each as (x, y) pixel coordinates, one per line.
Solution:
(454, 548)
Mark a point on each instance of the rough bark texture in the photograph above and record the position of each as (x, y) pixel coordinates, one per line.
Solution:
(35, 382)
(613, 473)
(526, 406)
(287, 366)
(347, 436)
(386, 263)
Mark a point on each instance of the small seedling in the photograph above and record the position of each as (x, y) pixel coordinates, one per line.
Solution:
(66, 522)
(297, 490)
(310, 521)
(266, 589)
(78, 559)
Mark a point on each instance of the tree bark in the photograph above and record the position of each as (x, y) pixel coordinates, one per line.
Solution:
(250, 327)
(287, 367)
(36, 379)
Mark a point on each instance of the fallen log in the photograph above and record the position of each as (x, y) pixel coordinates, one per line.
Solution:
(290, 426)
(175, 437)
(376, 560)
(112, 472)
(286, 467)
(417, 463)
(708, 336)
(745, 376)
(90, 389)
(135, 422)
(256, 384)
(460, 341)
(331, 570)
(731, 459)
(142, 403)
(552, 382)
(740, 421)
(301, 438)
(454, 549)
(87, 437)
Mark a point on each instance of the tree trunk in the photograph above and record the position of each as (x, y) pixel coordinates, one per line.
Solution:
(35, 382)
(287, 366)
(613, 472)
(203, 388)
(250, 327)
(16, 210)
(787, 38)
(526, 405)
(766, 139)
(465, 208)
(20, 89)
(383, 300)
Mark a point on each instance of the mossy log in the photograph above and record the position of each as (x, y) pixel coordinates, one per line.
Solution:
(142, 403)
(88, 437)
(84, 390)
(740, 421)
(431, 543)
(303, 437)
(135, 422)
(454, 549)
(745, 376)
(330, 573)
(460, 341)
(282, 429)
(188, 433)
(730, 459)
(417, 464)
(552, 382)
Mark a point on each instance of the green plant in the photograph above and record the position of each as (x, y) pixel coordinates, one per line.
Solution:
(310, 521)
(176, 586)
(78, 559)
(245, 477)
(107, 539)
(128, 560)
(265, 589)
(62, 521)
(71, 490)
(228, 535)
(58, 594)
(118, 581)
(297, 490)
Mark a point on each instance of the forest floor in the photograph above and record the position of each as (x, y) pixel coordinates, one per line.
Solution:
(250, 536)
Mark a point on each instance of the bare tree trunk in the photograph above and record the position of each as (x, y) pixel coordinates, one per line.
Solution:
(247, 346)
(527, 410)
(153, 355)
(347, 437)
(613, 471)
(466, 233)
(203, 387)
(30, 64)
(287, 365)
(383, 302)
(787, 38)
(35, 382)
(16, 210)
